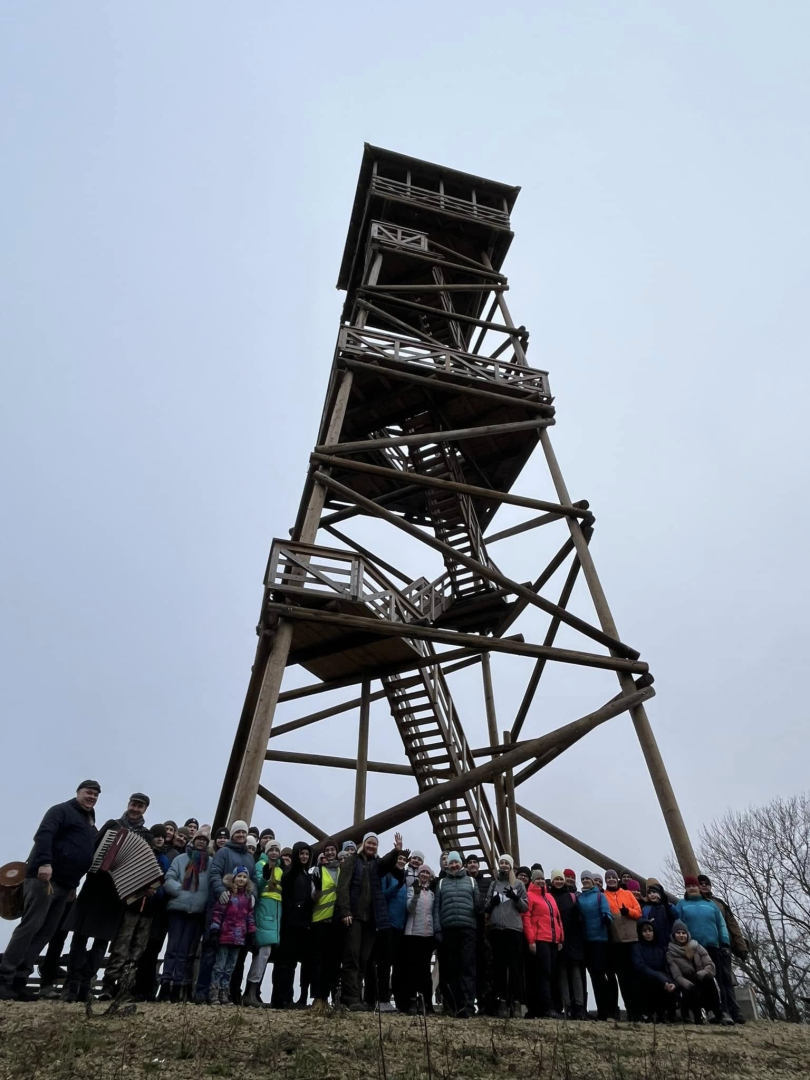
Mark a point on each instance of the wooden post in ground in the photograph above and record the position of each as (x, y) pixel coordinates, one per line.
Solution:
(492, 726)
(362, 753)
(514, 839)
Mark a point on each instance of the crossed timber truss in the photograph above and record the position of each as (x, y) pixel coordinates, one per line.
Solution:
(431, 413)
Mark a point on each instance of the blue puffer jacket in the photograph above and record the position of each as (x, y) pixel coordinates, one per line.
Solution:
(704, 921)
(180, 899)
(596, 916)
(662, 916)
(225, 862)
(395, 894)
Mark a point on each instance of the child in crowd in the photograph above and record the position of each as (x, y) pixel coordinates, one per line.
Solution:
(267, 917)
(660, 913)
(657, 992)
(232, 926)
(420, 941)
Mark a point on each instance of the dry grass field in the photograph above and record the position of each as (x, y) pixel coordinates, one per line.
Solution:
(61, 1042)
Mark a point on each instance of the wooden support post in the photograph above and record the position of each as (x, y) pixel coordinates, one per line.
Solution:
(547, 747)
(362, 753)
(327, 761)
(652, 755)
(514, 840)
(291, 813)
(386, 628)
(492, 726)
(597, 859)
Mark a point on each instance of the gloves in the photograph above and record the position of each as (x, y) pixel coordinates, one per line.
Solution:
(417, 886)
(213, 934)
(511, 893)
(624, 911)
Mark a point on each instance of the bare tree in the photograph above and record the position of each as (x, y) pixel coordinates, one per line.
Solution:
(759, 861)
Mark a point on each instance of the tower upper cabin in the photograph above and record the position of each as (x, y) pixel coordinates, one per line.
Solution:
(416, 204)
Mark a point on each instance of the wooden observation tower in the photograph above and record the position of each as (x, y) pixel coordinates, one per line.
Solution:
(432, 410)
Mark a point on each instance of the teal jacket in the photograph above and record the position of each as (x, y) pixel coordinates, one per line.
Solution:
(704, 921)
(455, 906)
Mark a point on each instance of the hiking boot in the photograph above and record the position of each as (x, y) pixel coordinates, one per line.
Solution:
(359, 1006)
(503, 1010)
(726, 1020)
(48, 993)
(225, 996)
(516, 1011)
(7, 992)
(250, 998)
(213, 996)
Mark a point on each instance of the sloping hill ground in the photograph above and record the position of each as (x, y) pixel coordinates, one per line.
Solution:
(61, 1042)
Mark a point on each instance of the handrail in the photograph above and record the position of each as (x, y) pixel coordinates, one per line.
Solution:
(437, 200)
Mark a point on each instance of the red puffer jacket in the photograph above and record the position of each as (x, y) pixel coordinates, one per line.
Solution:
(542, 921)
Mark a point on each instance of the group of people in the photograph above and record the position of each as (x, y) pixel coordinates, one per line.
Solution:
(359, 928)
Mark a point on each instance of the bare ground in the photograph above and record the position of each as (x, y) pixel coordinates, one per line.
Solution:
(60, 1042)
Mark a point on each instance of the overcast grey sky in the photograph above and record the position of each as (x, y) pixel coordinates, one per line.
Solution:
(176, 187)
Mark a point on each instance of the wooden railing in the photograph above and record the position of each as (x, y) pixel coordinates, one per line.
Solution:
(365, 344)
(437, 200)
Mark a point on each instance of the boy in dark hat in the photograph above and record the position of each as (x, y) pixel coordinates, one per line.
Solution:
(657, 992)
(192, 825)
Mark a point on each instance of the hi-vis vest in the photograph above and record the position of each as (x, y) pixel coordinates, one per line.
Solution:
(325, 903)
(271, 889)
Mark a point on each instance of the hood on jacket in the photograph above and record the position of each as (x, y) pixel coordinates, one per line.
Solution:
(297, 867)
(640, 926)
(678, 925)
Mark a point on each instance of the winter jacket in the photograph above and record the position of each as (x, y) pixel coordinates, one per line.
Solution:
(234, 920)
(505, 913)
(360, 888)
(296, 892)
(225, 862)
(623, 927)
(542, 922)
(649, 959)
(154, 906)
(395, 894)
(662, 916)
(420, 912)
(596, 915)
(739, 946)
(324, 880)
(267, 912)
(455, 904)
(187, 901)
(65, 839)
(704, 921)
(688, 972)
(573, 939)
(482, 889)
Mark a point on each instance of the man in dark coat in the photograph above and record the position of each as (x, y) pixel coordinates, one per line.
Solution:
(63, 849)
(98, 910)
(361, 907)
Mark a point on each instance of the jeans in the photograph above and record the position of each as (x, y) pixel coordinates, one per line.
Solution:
(44, 904)
(225, 962)
(184, 936)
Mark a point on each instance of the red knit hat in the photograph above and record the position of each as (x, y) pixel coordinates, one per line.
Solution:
(691, 882)
(570, 873)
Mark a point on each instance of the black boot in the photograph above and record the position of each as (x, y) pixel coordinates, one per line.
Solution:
(174, 994)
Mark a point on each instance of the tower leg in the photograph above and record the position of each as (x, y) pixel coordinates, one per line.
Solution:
(649, 747)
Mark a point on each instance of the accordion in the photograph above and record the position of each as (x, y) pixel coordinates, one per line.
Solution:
(130, 862)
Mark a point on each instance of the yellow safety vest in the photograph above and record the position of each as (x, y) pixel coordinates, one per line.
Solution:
(325, 902)
(271, 890)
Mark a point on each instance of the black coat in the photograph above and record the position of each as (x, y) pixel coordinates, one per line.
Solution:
(66, 838)
(573, 931)
(650, 961)
(296, 893)
(98, 910)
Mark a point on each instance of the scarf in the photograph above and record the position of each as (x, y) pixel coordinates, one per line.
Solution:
(686, 952)
(197, 864)
(126, 822)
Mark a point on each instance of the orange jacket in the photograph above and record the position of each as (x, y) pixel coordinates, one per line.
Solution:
(623, 927)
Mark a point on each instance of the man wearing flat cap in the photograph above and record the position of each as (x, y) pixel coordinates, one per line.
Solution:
(64, 845)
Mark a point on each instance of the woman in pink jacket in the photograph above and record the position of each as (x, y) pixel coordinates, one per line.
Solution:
(543, 928)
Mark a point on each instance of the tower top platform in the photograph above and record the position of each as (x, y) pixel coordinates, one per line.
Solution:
(465, 211)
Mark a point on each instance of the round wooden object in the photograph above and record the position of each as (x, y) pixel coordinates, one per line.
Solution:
(12, 879)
